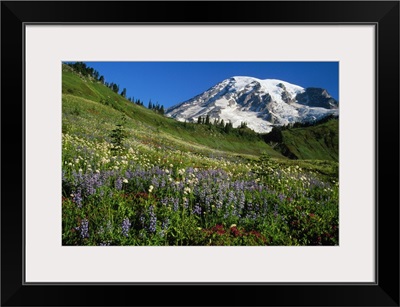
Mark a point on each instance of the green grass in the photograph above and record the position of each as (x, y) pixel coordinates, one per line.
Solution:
(320, 142)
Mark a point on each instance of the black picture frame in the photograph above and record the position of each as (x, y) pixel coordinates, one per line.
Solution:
(383, 14)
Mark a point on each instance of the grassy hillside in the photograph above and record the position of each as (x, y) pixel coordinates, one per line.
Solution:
(320, 142)
(89, 100)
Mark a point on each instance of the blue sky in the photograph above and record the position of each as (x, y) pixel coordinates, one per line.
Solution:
(170, 83)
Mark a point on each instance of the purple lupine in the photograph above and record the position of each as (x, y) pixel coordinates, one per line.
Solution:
(83, 229)
(197, 209)
(118, 183)
(142, 220)
(231, 198)
(164, 227)
(164, 201)
(241, 199)
(265, 206)
(126, 225)
(249, 210)
(77, 198)
(155, 182)
(220, 199)
(162, 185)
(77, 178)
(276, 210)
(91, 181)
(176, 204)
(153, 219)
(165, 224)
(185, 203)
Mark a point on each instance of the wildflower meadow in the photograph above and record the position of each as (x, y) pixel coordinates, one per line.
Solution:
(149, 195)
(133, 177)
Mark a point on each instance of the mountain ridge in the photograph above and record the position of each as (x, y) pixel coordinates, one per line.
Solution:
(261, 104)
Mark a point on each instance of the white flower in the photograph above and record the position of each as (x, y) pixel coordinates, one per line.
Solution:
(125, 180)
(151, 189)
(80, 170)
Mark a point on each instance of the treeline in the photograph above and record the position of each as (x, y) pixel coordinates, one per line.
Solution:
(219, 125)
(275, 135)
(156, 108)
(137, 101)
(226, 127)
(309, 123)
(86, 71)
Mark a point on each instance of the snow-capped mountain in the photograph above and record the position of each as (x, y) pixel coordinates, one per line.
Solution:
(261, 104)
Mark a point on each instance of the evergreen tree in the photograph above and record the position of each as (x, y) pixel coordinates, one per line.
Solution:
(207, 122)
(118, 135)
(115, 88)
(275, 135)
(123, 93)
(228, 127)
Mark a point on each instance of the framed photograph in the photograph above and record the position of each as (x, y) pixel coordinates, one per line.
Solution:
(234, 154)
